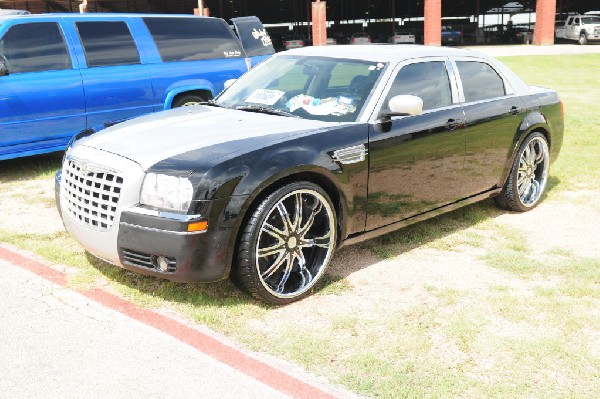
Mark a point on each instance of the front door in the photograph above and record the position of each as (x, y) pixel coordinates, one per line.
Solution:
(416, 162)
(117, 84)
(41, 99)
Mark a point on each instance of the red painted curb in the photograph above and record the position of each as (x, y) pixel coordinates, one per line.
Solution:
(206, 344)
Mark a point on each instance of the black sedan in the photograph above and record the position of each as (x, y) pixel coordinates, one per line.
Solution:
(314, 148)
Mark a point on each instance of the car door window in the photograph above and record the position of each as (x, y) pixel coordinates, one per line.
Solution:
(480, 81)
(35, 47)
(427, 80)
(107, 43)
(190, 39)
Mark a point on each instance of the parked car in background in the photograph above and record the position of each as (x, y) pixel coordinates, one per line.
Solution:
(277, 40)
(452, 36)
(520, 34)
(331, 41)
(583, 28)
(360, 38)
(402, 37)
(63, 73)
(292, 42)
(4, 12)
(313, 149)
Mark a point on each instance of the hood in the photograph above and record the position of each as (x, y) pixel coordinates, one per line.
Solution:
(152, 138)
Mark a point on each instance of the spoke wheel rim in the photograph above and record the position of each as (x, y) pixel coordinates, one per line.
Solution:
(532, 174)
(295, 243)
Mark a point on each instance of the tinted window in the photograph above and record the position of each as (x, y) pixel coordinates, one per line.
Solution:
(107, 43)
(427, 80)
(189, 39)
(35, 47)
(480, 81)
(254, 36)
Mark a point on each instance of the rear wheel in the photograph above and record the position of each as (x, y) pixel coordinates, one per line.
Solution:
(528, 176)
(582, 39)
(287, 244)
(187, 100)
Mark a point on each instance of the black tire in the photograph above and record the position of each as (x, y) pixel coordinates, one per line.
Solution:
(281, 256)
(528, 175)
(187, 100)
(582, 39)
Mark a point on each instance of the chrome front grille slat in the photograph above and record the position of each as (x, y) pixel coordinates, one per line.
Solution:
(91, 193)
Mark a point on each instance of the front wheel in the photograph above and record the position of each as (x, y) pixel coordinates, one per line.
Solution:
(582, 39)
(187, 100)
(287, 244)
(528, 176)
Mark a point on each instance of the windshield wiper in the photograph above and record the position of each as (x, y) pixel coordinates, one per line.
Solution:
(213, 103)
(265, 110)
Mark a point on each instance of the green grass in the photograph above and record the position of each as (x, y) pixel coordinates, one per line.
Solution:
(531, 334)
(30, 168)
(575, 77)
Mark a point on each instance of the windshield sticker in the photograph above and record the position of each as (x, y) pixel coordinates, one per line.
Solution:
(262, 35)
(233, 53)
(327, 106)
(379, 66)
(264, 96)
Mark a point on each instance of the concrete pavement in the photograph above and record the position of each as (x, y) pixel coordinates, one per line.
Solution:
(59, 343)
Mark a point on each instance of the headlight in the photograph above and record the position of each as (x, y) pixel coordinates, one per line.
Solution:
(167, 192)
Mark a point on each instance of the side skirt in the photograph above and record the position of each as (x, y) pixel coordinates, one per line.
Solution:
(367, 235)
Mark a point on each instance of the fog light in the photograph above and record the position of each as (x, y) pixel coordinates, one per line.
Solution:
(162, 263)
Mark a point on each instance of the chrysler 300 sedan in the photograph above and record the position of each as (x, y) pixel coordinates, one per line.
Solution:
(314, 148)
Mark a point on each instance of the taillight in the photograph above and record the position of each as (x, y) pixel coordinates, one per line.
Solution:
(301, 43)
(369, 40)
(353, 40)
(286, 44)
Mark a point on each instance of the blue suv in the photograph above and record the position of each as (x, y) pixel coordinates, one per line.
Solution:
(64, 73)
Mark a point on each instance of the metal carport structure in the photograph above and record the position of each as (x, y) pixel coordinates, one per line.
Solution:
(277, 11)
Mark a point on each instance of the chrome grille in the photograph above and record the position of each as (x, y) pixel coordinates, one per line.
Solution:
(91, 193)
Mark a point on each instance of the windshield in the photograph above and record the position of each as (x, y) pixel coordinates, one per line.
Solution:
(590, 20)
(318, 88)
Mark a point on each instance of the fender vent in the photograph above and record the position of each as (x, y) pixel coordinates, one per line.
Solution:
(350, 155)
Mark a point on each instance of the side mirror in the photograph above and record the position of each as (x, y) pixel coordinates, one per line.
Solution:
(405, 105)
(3, 66)
(228, 83)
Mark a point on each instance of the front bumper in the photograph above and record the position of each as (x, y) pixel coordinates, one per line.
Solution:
(145, 235)
(140, 235)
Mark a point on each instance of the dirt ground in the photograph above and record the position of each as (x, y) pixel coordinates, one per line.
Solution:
(28, 207)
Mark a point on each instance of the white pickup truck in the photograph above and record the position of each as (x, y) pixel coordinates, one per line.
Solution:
(582, 28)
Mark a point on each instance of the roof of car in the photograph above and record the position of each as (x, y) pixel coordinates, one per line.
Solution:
(384, 52)
(54, 16)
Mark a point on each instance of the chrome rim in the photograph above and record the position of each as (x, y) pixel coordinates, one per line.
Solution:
(189, 103)
(533, 171)
(295, 243)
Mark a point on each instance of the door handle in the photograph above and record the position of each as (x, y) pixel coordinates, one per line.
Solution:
(514, 110)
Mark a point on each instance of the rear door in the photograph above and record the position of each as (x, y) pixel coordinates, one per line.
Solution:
(115, 77)
(254, 38)
(41, 100)
(191, 54)
(493, 113)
